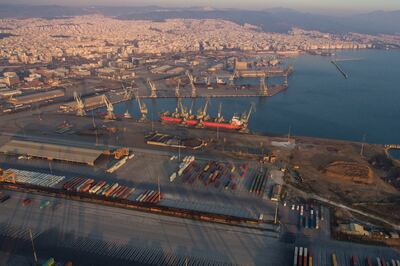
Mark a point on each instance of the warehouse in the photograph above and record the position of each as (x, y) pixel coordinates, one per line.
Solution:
(37, 97)
(52, 151)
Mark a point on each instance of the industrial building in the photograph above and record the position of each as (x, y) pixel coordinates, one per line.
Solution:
(37, 97)
(52, 151)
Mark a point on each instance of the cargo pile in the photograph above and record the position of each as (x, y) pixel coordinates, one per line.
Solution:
(36, 178)
(173, 141)
(149, 196)
(258, 184)
(100, 188)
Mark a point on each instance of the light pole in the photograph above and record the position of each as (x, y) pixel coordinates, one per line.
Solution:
(33, 246)
(276, 212)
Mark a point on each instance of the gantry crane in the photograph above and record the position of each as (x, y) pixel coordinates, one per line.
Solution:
(191, 80)
(110, 109)
(153, 88)
(80, 106)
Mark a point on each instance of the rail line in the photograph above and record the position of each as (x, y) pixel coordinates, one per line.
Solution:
(245, 222)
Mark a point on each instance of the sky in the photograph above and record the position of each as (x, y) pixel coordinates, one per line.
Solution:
(321, 6)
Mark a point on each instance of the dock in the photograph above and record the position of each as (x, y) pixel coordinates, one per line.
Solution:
(340, 69)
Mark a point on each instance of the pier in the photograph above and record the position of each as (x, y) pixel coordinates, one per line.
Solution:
(389, 147)
(340, 69)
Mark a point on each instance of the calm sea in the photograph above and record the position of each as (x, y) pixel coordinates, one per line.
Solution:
(320, 102)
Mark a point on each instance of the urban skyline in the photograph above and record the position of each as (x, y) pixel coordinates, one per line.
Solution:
(327, 7)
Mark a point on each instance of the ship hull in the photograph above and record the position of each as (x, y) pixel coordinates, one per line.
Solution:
(170, 119)
(191, 122)
(221, 125)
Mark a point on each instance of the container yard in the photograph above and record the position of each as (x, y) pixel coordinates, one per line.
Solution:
(221, 176)
(303, 256)
(100, 188)
(36, 178)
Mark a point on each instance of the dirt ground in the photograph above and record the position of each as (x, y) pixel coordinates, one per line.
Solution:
(325, 168)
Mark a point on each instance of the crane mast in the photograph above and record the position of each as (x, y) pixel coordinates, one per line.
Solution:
(80, 106)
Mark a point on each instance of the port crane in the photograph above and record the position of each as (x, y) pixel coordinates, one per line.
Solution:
(232, 80)
(246, 116)
(182, 108)
(263, 87)
(80, 106)
(177, 92)
(110, 109)
(153, 88)
(128, 95)
(143, 109)
(191, 107)
(128, 91)
(191, 80)
(220, 118)
(201, 114)
(208, 80)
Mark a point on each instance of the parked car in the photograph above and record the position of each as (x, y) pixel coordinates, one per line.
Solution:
(45, 204)
(26, 202)
(4, 197)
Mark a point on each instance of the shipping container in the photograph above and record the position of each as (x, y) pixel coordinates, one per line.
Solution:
(334, 260)
(305, 258)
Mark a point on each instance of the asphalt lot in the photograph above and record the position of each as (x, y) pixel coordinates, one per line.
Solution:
(72, 229)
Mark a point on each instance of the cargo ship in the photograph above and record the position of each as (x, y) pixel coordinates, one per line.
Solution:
(172, 117)
(236, 123)
(203, 120)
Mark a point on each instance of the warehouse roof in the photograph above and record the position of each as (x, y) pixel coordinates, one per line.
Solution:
(52, 151)
(37, 97)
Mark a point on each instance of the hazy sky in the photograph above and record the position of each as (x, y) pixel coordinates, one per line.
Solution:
(353, 6)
